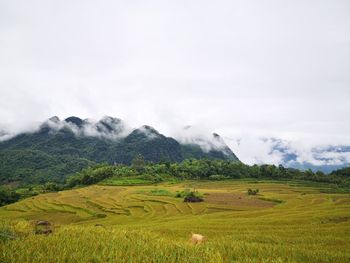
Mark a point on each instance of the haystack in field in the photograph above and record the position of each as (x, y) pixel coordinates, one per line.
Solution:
(197, 239)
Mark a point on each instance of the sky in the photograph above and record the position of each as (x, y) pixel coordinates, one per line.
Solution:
(247, 70)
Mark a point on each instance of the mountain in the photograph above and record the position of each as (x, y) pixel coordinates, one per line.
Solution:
(59, 148)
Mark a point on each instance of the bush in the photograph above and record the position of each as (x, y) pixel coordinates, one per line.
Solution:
(192, 196)
(181, 194)
(253, 191)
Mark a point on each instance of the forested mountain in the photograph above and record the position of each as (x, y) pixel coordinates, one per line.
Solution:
(59, 148)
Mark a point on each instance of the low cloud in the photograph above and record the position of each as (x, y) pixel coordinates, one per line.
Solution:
(114, 129)
(107, 127)
(195, 135)
(257, 150)
(5, 136)
(249, 148)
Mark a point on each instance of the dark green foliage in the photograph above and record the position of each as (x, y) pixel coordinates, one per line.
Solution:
(138, 163)
(253, 191)
(193, 197)
(149, 144)
(190, 196)
(32, 166)
(344, 172)
(48, 155)
(92, 175)
(182, 194)
(8, 196)
(52, 187)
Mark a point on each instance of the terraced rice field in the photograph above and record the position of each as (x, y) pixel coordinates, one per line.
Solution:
(284, 223)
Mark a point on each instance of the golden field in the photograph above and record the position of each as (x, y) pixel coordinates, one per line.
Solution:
(285, 222)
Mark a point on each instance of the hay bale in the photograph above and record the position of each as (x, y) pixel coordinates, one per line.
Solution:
(197, 239)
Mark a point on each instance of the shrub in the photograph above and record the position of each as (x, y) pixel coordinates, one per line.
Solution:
(192, 196)
(183, 193)
(253, 191)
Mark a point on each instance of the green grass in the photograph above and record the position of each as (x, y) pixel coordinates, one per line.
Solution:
(126, 181)
(293, 223)
(157, 192)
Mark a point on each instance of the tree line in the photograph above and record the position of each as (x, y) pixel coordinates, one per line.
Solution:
(202, 169)
(189, 169)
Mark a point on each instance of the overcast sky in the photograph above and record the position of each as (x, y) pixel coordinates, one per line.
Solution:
(245, 69)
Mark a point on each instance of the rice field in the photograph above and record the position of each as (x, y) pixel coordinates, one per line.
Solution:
(285, 222)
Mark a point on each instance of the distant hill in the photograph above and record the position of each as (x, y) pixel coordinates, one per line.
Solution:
(59, 148)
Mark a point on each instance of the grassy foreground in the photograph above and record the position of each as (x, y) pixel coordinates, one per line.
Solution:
(286, 222)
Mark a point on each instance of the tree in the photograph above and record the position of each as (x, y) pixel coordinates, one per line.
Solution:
(138, 163)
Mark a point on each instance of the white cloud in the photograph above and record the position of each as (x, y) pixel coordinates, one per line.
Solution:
(243, 69)
(106, 127)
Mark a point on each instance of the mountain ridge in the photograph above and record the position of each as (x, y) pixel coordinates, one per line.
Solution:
(78, 143)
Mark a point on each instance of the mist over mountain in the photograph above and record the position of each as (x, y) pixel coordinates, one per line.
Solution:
(80, 142)
(58, 148)
(326, 158)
